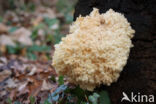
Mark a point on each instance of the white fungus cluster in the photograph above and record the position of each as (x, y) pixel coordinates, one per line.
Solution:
(96, 49)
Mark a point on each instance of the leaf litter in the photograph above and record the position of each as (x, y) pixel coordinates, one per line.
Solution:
(27, 37)
(25, 77)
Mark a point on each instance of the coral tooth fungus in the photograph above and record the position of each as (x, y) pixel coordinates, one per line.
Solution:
(96, 49)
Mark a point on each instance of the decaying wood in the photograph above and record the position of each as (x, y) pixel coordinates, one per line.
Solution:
(139, 75)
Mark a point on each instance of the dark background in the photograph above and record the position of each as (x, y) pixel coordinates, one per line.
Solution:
(139, 75)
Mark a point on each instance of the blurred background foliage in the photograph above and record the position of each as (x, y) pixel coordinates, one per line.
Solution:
(42, 22)
(29, 29)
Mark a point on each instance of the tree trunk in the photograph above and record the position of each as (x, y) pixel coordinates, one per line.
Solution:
(139, 75)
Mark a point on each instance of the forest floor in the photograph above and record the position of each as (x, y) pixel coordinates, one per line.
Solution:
(27, 37)
(28, 33)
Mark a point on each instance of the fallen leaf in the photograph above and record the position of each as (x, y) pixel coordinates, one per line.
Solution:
(3, 93)
(3, 48)
(3, 28)
(46, 86)
(33, 71)
(11, 83)
(12, 94)
(41, 33)
(4, 74)
(6, 40)
(22, 35)
(34, 88)
(3, 60)
(22, 86)
(37, 21)
(45, 12)
(55, 26)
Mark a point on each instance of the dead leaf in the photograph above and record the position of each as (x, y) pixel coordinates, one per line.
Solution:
(45, 12)
(6, 40)
(29, 78)
(12, 94)
(55, 26)
(22, 86)
(3, 28)
(46, 86)
(24, 52)
(33, 71)
(11, 83)
(3, 60)
(3, 48)
(3, 93)
(4, 74)
(41, 33)
(37, 21)
(22, 36)
(34, 87)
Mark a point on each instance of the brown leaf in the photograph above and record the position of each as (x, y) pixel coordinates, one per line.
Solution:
(46, 86)
(4, 74)
(37, 21)
(23, 85)
(11, 83)
(6, 40)
(45, 12)
(3, 60)
(33, 71)
(34, 87)
(23, 89)
(22, 35)
(3, 28)
(13, 94)
(3, 48)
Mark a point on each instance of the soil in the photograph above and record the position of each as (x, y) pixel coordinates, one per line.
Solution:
(139, 75)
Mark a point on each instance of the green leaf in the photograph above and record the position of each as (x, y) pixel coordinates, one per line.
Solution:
(78, 92)
(95, 95)
(9, 101)
(14, 49)
(17, 102)
(61, 5)
(12, 29)
(37, 48)
(84, 102)
(31, 56)
(34, 34)
(50, 38)
(61, 80)
(68, 18)
(53, 78)
(47, 102)
(11, 49)
(94, 98)
(50, 21)
(65, 6)
(32, 99)
(104, 98)
(1, 19)
(11, 4)
(57, 36)
(31, 6)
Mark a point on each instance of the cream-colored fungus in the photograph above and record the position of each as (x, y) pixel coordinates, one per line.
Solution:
(96, 49)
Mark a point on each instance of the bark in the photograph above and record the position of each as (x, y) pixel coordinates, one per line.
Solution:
(139, 75)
